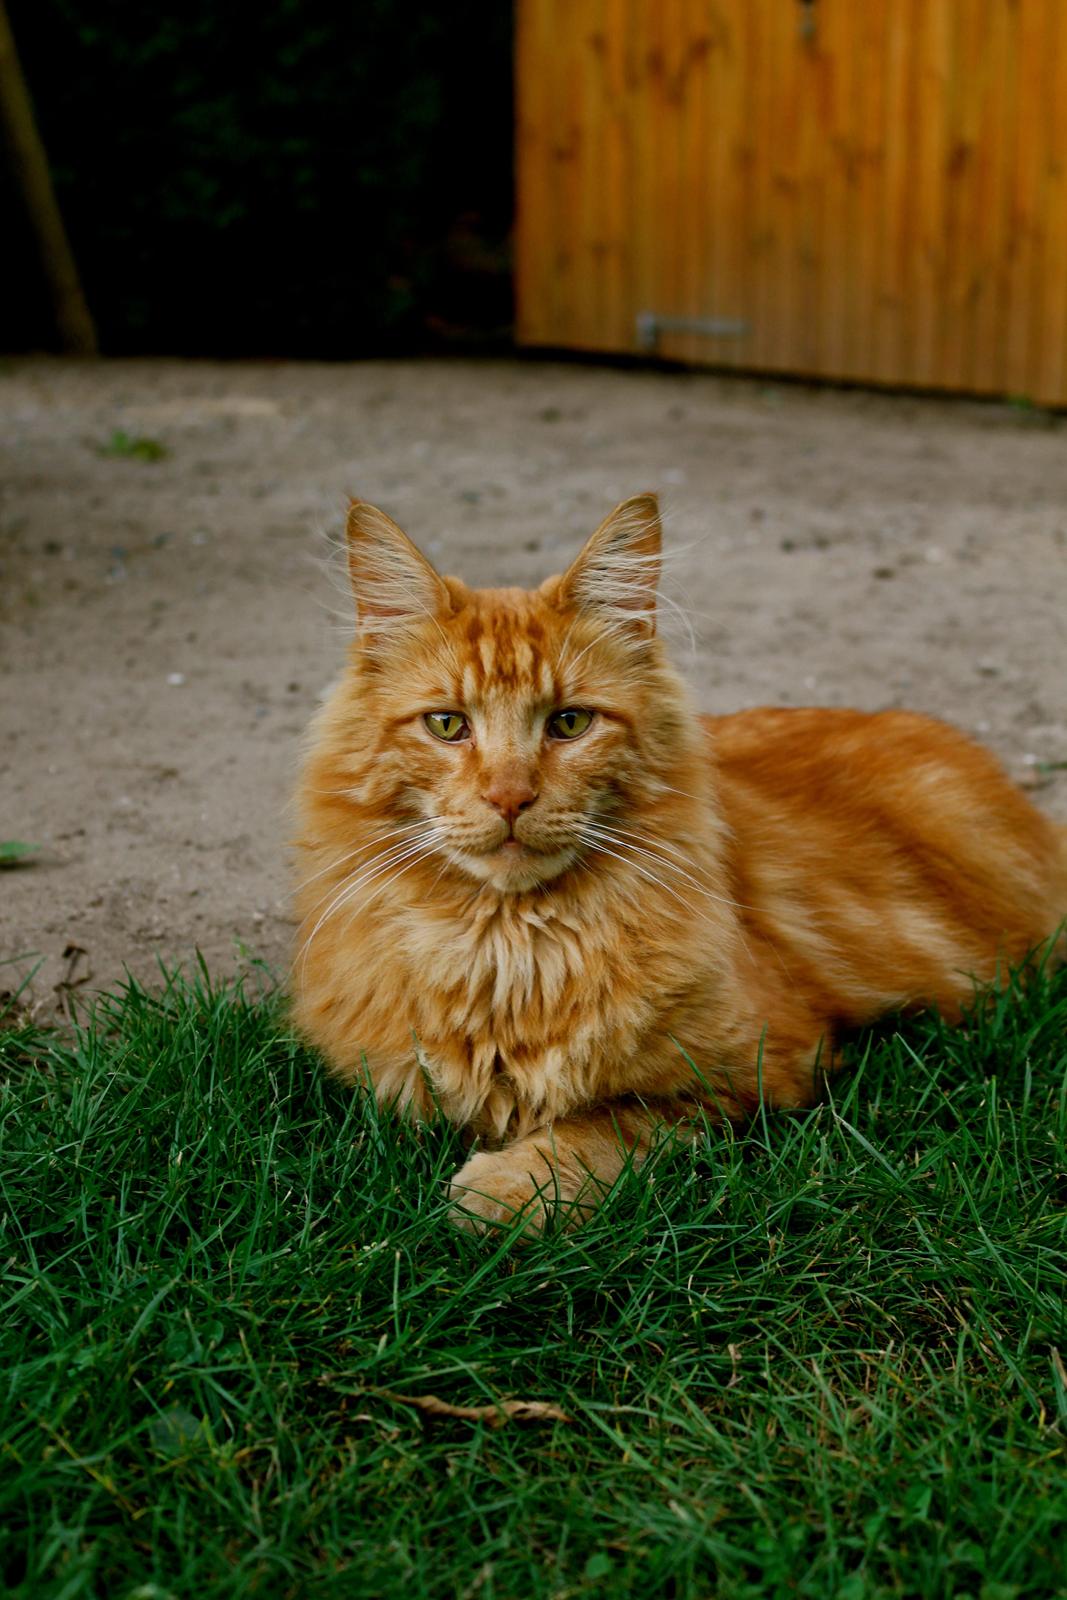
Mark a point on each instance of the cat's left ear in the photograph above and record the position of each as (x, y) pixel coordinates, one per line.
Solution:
(619, 568)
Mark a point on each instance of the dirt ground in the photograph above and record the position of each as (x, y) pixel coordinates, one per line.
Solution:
(167, 626)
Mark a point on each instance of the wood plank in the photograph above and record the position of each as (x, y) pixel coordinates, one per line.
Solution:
(567, 154)
(761, 242)
(726, 74)
(1049, 362)
(584, 175)
(618, 220)
(893, 255)
(666, 64)
(701, 201)
(1005, 200)
(834, 155)
(932, 49)
(965, 47)
(704, 200)
(868, 115)
(814, 67)
(989, 91)
(1025, 222)
(785, 133)
(641, 114)
(740, 64)
(674, 85)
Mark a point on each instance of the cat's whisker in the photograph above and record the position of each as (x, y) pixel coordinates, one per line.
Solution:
(433, 850)
(646, 849)
(367, 874)
(619, 633)
(562, 665)
(363, 848)
(628, 861)
(708, 894)
(383, 858)
(445, 864)
(683, 616)
(652, 842)
(681, 872)
(380, 858)
(686, 794)
(423, 847)
(611, 826)
(403, 862)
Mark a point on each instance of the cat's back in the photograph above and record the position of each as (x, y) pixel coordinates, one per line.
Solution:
(886, 825)
(852, 768)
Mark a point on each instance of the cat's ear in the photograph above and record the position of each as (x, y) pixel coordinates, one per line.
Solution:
(393, 582)
(618, 570)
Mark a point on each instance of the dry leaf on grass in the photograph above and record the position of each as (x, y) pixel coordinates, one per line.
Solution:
(495, 1415)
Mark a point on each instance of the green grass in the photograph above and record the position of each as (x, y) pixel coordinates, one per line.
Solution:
(14, 853)
(822, 1357)
(136, 446)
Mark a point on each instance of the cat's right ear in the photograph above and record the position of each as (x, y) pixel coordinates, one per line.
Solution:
(617, 572)
(393, 582)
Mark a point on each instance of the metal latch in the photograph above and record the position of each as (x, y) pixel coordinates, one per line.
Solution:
(651, 324)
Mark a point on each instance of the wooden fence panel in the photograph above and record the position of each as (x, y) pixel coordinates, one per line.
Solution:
(874, 192)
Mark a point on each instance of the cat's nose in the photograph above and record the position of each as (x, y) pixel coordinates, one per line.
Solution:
(509, 796)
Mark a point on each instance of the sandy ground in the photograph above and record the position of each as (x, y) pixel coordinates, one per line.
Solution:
(166, 627)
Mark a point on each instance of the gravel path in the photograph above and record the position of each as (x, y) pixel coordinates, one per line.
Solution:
(167, 626)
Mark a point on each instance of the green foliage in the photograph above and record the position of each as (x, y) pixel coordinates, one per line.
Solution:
(822, 1357)
(279, 182)
(14, 853)
(133, 445)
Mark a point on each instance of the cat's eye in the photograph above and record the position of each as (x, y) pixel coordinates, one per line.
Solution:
(447, 725)
(569, 723)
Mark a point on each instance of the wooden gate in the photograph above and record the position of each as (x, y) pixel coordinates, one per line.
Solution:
(864, 189)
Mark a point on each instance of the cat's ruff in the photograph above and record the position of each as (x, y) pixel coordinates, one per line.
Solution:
(542, 897)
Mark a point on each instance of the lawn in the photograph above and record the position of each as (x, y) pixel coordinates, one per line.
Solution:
(823, 1356)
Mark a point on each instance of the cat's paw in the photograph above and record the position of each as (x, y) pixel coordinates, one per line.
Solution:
(523, 1187)
(496, 1188)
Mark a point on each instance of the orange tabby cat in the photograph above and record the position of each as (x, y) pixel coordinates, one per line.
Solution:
(541, 896)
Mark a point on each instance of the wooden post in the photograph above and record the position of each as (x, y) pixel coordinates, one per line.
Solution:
(30, 166)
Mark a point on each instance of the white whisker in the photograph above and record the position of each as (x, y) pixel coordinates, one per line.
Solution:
(663, 861)
(628, 861)
(391, 874)
(668, 788)
(405, 851)
(408, 864)
(339, 861)
(383, 858)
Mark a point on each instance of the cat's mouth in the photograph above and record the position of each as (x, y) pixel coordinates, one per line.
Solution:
(515, 864)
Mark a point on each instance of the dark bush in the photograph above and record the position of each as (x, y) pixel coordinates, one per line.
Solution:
(294, 179)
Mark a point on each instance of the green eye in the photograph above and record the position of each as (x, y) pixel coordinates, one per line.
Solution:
(448, 725)
(568, 724)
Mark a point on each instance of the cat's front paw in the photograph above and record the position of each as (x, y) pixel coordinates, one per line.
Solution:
(497, 1188)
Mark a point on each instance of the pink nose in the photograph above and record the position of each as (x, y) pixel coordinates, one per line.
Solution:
(509, 796)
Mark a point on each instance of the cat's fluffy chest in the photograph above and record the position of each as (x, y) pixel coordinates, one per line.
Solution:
(517, 1001)
(502, 956)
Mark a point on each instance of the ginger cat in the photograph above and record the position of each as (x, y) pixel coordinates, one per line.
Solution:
(542, 897)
